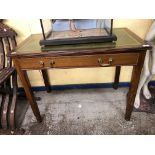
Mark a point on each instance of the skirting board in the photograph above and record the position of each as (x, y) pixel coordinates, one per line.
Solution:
(82, 86)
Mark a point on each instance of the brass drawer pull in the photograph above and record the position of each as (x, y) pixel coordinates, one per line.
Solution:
(52, 62)
(101, 63)
(41, 63)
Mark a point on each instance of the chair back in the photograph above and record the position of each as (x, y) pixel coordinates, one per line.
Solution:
(7, 45)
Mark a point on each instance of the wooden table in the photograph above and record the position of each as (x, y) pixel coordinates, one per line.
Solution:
(128, 50)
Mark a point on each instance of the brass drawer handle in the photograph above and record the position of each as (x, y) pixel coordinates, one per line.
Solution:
(41, 63)
(101, 63)
(52, 62)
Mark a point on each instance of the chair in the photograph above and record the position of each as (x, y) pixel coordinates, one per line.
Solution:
(8, 78)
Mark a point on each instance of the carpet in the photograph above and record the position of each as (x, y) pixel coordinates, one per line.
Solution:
(86, 112)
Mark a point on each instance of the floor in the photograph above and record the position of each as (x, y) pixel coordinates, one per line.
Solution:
(87, 112)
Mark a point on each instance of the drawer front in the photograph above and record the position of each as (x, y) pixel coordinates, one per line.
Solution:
(103, 60)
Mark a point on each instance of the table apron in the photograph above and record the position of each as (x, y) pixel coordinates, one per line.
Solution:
(98, 60)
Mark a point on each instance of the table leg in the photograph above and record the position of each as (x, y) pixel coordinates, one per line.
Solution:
(46, 80)
(117, 74)
(134, 85)
(29, 93)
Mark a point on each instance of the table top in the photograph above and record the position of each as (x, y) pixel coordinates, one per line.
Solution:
(125, 40)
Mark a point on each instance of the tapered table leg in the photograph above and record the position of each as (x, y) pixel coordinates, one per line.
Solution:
(29, 93)
(134, 85)
(117, 75)
(46, 80)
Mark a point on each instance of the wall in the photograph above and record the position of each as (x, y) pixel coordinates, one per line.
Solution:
(78, 76)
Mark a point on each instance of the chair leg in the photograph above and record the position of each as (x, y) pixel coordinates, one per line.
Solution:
(5, 105)
(12, 110)
(1, 108)
(4, 121)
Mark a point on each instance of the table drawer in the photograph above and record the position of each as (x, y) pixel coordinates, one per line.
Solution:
(103, 60)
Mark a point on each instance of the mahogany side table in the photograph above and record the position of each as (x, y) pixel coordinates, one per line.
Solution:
(128, 50)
